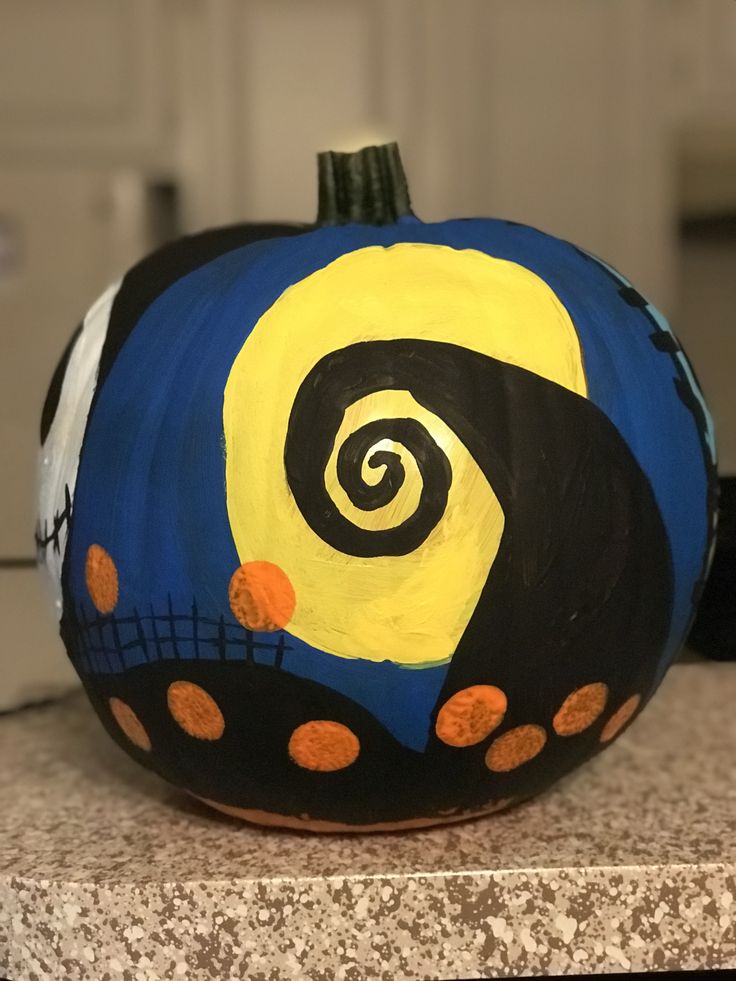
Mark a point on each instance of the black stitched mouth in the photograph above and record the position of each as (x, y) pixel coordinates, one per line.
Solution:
(45, 538)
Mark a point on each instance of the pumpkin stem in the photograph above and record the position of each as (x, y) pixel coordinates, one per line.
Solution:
(368, 187)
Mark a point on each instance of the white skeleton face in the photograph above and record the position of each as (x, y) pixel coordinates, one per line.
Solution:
(59, 456)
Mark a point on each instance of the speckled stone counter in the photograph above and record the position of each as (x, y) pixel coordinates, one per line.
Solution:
(106, 873)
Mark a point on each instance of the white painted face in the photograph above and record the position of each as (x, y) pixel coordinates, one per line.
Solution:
(59, 455)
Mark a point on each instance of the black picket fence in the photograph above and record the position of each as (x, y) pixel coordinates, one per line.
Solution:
(107, 643)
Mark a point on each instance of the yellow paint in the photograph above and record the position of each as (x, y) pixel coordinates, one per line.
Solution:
(410, 609)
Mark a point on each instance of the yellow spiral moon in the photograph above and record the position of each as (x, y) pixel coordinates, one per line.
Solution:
(411, 608)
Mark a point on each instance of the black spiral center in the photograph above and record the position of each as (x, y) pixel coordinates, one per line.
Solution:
(433, 466)
(336, 382)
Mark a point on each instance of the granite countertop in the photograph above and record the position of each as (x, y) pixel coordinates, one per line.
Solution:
(107, 873)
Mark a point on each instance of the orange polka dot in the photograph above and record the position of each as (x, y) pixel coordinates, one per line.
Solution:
(620, 717)
(468, 716)
(515, 747)
(324, 746)
(196, 712)
(261, 596)
(130, 724)
(101, 577)
(580, 709)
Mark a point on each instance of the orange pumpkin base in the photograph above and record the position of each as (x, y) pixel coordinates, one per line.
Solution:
(271, 820)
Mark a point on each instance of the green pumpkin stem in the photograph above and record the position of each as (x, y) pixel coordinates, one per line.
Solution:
(368, 187)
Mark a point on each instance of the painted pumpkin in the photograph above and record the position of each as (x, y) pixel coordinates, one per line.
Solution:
(373, 523)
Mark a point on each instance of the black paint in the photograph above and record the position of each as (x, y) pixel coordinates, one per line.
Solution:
(665, 342)
(714, 630)
(51, 402)
(632, 297)
(45, 538)
(315, 417)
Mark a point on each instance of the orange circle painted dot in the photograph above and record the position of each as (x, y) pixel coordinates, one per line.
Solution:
(130, 724)
(195, 710)
(580, 709)
(324, 746)
(620, 717)
(101, 577)
(515, 747)
(469, 715)
(261, 596)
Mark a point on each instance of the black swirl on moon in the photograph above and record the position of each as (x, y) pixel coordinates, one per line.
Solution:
(336, 382)
(583, 542)
(433, 466)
